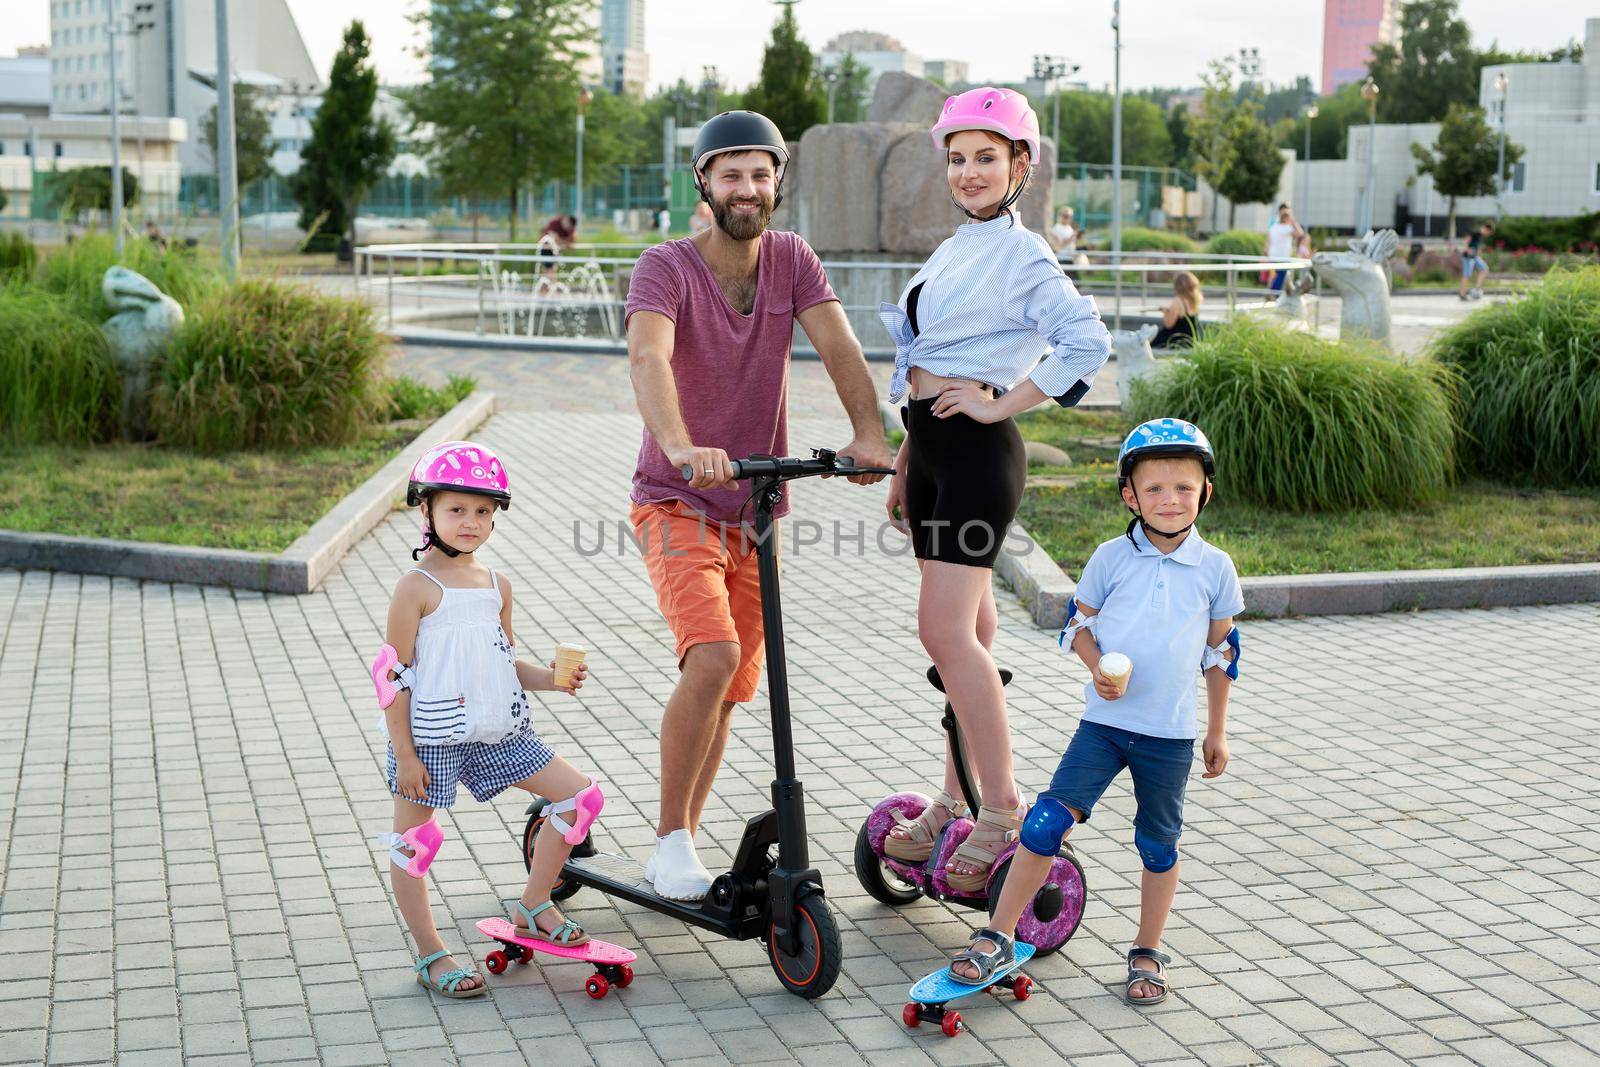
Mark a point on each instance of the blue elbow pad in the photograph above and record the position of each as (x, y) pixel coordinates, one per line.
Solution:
(1046, 825)
(1214, 657)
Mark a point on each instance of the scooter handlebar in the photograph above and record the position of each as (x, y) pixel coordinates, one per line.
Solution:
(825, 461)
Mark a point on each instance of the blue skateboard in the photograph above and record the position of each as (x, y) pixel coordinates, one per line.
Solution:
(930, 995)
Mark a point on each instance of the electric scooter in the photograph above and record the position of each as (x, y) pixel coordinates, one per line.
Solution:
(772, 892)
(1048, 921)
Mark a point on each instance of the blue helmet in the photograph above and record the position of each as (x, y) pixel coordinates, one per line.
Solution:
(1164, 437)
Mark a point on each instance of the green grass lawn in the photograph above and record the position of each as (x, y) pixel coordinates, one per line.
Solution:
(256, 501)
(1478, 524)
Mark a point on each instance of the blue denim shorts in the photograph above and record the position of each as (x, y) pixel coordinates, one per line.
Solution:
(486, 770)
(1471, 265)
(1159, 766)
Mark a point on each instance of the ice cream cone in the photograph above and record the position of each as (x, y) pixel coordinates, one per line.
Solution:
(568, 659)
(1117, 668)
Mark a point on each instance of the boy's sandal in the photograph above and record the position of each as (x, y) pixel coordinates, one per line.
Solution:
(923, 831)
(568, 935)
(1003, 954)
(449, 983)
(996, 828)
(1137, 975)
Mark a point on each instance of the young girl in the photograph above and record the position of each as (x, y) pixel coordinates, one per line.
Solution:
(969, 332)
(1178, 318)
(459, 714)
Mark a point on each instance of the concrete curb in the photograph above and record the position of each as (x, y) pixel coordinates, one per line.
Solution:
(300, 568)
(1045, 588)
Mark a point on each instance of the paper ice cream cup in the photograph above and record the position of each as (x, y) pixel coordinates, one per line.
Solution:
(1117, 668)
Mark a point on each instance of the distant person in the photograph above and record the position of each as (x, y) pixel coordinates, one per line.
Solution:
(702, 219)
(153, 234)
(1179, 317)
(558, 235)
(664, 222)
(1063, 236)
(1472, 263)
(1280, 243)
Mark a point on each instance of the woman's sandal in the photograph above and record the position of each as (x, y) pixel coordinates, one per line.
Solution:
(448, 984)
(923, 831)
(568, 935)
(996, 828)
(1003, 954)
(1137, 975)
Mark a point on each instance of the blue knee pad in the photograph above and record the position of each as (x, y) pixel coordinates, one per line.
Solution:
(1158, 856)
(1047, 823)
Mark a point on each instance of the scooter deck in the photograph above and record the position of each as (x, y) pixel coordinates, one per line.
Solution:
(941, 987)
(591, 951)
(622, 877)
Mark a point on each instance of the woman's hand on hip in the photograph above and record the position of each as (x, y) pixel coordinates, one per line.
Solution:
(966, 398)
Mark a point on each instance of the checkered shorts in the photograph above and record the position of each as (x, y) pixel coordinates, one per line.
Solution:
(487, 770)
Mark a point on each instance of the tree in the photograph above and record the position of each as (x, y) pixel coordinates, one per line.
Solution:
(1429, 68)
(1086, 130)
(71, 192)
(1207, 126)
(252, 135)
(788, 93)
(3, 200)
(349, 149)
(1253, 166)
(1178, 134)
(1336, 113)
(1463, 161)
(499, 111)
(850, 100)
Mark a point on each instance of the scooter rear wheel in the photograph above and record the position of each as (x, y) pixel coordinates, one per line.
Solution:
(811, 972)
(884, 885)
(564, 888)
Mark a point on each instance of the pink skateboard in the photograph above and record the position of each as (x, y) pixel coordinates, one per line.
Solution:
(610, 961)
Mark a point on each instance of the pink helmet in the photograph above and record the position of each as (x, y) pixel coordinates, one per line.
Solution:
(998, 110)
(460, 467)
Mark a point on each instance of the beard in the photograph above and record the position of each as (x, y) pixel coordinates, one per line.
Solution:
(743, 227)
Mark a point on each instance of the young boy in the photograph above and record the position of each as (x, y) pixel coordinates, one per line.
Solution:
(1165, 599)
(1473, 266)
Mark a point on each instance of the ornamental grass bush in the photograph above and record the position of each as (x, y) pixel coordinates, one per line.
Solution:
(58, 384)
(1236, 243)
(77, 271)
(1530, 375)
(18, 257)
(1299, 423)
(267, 364)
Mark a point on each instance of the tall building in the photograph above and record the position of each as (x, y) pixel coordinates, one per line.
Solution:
(169, 68)
(878, 52)
(625, 63)
(1350, 29)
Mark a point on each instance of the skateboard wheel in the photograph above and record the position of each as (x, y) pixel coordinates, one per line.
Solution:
(1022, 988)
(596, 986)
(525, 959)
(496, 962)
(626, 978)
(952, 1024)
(911, 1016)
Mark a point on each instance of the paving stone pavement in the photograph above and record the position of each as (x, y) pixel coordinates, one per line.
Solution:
(1400, 866)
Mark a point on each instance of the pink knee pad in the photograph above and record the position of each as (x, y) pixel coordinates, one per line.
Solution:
(389, 660)
(424, 842)
(586, 803)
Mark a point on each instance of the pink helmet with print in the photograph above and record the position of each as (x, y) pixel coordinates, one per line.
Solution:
(1000, 111)
(460, 467)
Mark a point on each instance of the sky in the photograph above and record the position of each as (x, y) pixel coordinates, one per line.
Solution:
(1164, 42)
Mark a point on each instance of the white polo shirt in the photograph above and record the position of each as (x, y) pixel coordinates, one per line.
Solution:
(1155, 609)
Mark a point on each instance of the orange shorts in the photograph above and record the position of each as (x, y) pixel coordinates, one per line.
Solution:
(707, 584)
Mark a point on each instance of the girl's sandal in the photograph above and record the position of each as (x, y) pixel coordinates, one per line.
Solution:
(568, 935)
(448, 984)
(996, 828)
(921, 833)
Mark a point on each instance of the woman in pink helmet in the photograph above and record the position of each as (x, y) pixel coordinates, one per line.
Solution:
(456, 710)
(988, 328)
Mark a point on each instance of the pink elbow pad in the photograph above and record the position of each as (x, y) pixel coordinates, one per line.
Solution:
(423, 841)
(586, 805)
(388, 660)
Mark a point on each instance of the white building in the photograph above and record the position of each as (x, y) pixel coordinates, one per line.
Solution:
(878, 52)
(168, 68)
(1551, 109)
(622, 52)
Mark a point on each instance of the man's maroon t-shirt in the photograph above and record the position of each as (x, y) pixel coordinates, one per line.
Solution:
(732, 370)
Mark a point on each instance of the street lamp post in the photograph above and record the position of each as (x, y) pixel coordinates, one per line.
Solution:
(1502, 83)
(1305, 199)
(1369, 93)
(116, 130)
(227, 160)
(584, 96)
(1049, 70)
(830, 76)
(1116, 156)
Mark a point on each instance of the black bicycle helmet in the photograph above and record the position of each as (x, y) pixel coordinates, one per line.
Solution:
(738, 131)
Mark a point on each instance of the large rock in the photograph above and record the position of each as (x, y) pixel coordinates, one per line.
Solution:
(901, 97)
(787, 216)
(837, 207)
(915, 212)
(145, 321)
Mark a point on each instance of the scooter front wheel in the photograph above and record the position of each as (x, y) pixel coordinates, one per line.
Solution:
(876, 877)
(813, 970)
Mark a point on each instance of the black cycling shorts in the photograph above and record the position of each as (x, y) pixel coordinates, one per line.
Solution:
(964, 482)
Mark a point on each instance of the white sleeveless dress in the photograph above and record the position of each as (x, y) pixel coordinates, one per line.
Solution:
(467, 690)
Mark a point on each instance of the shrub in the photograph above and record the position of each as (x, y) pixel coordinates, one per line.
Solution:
(411, 399)
(1530, 371)
(58, 383)
(1236, 243)
(1140, 239)
(1301, 423)
(18, 257)
(77, 271)
(268, 364)
(1558, 235)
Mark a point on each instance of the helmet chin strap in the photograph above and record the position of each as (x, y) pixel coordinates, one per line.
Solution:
(430, 539)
